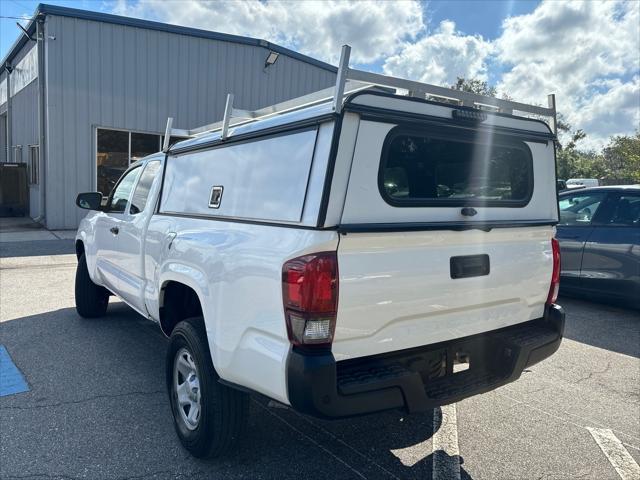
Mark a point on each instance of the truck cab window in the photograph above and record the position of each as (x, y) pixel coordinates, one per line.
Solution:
(120, 196)
(141, 193)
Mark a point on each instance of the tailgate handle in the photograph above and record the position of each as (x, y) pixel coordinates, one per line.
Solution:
(469, 266)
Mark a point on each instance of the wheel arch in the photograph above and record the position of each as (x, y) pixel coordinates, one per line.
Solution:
(179, 300)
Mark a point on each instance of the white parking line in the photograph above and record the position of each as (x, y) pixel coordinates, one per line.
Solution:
(446, 455)
(586, 420)
(615, 452)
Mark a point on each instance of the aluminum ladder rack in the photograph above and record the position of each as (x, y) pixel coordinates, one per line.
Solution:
(350, 80)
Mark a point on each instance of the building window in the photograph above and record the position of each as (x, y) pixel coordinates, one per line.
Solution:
(34, 164)
(143, 144)
(117, 149)
(112, 159)
(4, 148)
(3, 91)
(25, 72)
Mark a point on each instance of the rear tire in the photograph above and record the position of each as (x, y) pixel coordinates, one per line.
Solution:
(91, 299)
(208, 416)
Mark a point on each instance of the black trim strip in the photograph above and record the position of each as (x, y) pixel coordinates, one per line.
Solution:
(307, 123)
(555, 177)
(434, 226)
(164, 170)
(331, 164)
(313, 160)
(265, 223)
(376, 227)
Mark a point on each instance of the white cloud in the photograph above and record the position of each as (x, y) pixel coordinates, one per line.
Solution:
(441, 57)
(581, 51)
(585, 52)
(317, 28)
(614, 112)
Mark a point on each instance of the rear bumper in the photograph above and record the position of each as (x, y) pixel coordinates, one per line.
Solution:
(422, 378)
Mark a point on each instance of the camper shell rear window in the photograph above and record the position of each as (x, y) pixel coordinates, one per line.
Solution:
(421, 168)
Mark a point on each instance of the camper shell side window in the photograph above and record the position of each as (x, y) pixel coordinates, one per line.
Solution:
(441, 167)
(263, 179)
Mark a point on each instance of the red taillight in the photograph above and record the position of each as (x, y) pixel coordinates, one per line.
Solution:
(310, 297)
(555, 276)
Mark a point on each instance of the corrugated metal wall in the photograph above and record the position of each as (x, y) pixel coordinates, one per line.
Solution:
(24, 126)
(4, 93)
(3, 136)
(3, 124)
(106, 75)
(24, 132)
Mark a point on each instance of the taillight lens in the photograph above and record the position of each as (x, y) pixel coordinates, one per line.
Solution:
(310, 297)
(555, 276)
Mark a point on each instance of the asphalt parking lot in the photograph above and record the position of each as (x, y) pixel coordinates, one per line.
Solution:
(97, 408)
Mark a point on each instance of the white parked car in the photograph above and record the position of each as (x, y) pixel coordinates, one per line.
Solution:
(582, 182)
(338, 257)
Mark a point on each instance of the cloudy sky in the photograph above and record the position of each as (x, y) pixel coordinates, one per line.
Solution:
(587, 53)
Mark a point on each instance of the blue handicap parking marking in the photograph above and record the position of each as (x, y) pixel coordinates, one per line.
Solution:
(11, 379)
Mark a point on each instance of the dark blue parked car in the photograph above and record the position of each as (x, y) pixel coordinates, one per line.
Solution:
(599, 234)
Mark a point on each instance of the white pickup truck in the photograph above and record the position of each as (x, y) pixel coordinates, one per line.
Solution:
(338, 257)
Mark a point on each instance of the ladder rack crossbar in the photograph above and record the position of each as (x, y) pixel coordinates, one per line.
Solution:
(466, 98)
(350, 80)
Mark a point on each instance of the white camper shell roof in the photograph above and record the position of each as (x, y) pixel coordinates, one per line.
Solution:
(359, 88)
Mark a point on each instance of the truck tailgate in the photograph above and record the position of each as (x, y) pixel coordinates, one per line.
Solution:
(397, 289)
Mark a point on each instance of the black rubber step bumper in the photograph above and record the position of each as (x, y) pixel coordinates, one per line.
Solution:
(422, 378)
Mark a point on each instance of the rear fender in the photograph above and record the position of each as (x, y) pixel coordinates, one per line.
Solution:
(187, 275)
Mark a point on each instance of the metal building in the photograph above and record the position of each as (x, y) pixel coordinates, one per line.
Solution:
(82, 94)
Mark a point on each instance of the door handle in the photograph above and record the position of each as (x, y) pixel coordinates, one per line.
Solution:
(114, 230)
(170, 238)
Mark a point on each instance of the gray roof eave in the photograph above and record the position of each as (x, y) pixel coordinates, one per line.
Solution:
(45, 9)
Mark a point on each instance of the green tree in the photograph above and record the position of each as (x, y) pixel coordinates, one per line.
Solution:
(474, 85)
(569, 159)
(622, 157)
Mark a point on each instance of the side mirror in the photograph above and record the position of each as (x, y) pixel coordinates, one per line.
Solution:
(89, 200)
